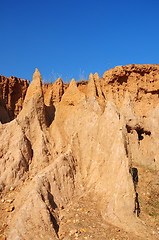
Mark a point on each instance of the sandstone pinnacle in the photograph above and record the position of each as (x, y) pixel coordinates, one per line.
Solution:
(72, 95)
(91, 87)
(37, 75)
(96, 76)
(73, 83)
(35, 88)
(90, 76)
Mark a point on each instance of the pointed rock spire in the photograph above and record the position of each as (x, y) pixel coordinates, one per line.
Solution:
(94, 86)
(91, 87)
(34, 99)
(73, 83)
(96, 76)
(35, 86)
(98, 85)
(72, 94)
(57, 91)
(90, 76)
(37, 75)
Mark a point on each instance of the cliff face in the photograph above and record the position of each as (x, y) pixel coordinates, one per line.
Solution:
(12, 94)
(82, 143)
(140, 81)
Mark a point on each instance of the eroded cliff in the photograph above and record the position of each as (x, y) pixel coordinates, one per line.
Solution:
(12, 94)
(83, 144)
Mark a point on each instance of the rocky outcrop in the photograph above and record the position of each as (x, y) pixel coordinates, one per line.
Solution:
(80, 140)
(12, 94)
(18, 138)
(141, 81)
(72, 95)
(44, 196)
(53, 92)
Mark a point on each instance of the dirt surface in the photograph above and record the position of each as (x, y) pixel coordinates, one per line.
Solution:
(82, 220)
(79, 220)
(148, 189)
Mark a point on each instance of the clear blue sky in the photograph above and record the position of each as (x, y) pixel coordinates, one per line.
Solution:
(71, 38)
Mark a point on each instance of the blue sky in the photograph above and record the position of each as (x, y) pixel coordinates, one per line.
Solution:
(71, 38)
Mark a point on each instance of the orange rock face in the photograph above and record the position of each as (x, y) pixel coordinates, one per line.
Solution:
(80, 144)
(140, 82)
(12, 94)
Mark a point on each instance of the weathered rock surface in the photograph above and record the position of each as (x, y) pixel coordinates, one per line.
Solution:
(71, 142)
(12, 94)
